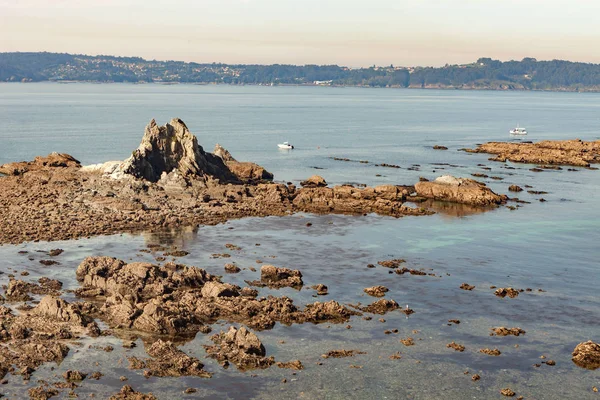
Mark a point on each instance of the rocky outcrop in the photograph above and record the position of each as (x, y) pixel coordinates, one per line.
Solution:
(313, 182)
(565, 152)
(385, 199)
(587, 355)
(459, 190)
(376, 291)
(240, 347)
(246, 172)
(52, 160)
(176, 299)
(169, 149)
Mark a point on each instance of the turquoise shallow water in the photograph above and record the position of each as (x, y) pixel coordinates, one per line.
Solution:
(550, 245)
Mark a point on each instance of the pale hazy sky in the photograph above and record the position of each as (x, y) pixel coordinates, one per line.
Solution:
(344, 32)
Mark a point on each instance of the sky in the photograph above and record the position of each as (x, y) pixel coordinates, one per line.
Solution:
(354, 33)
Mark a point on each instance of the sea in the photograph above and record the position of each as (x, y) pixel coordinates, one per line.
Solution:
(548, 244)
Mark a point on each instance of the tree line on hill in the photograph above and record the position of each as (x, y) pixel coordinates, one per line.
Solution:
(485, 73)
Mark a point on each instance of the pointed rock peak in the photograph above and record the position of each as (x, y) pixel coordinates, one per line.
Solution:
(173, 147)
(222, 152)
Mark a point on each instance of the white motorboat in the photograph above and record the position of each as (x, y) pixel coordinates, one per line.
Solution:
(518, 131)
(285, 145)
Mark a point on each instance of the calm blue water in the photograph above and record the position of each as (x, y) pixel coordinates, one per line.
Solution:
(551, 245)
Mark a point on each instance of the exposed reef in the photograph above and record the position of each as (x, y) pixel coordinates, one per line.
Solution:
(459, 190)
(547, 152)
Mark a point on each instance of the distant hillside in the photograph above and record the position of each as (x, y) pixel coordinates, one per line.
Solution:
(528, 74)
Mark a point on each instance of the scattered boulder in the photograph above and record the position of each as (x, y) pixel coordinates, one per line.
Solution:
(381, 307)
(439, 147)
(314, 181)
(515, 188)
(502, 331)
(490, 352)
(587, 355)
(503, 292)
(456, 346)
(466, 286)
(232, 268)
(127, 393)
(321, 289)
(296, 364)
(395, 263)
(71, 375)
(376, 291)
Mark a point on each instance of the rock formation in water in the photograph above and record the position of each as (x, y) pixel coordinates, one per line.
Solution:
(587, 355)
(169, 148)
(171, 156)
(459, 190)
(247, 172)
(567, 152)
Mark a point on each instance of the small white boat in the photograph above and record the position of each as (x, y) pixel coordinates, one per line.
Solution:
(285, 145)
(518, 131)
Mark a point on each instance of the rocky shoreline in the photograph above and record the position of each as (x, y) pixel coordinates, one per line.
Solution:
(171, 181)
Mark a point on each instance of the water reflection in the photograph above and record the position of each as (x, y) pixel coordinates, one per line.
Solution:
(452, 210)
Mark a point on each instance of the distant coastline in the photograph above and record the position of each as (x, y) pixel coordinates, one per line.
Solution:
(484, 74)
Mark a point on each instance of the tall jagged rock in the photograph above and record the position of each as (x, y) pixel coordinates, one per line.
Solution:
(173, 147)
